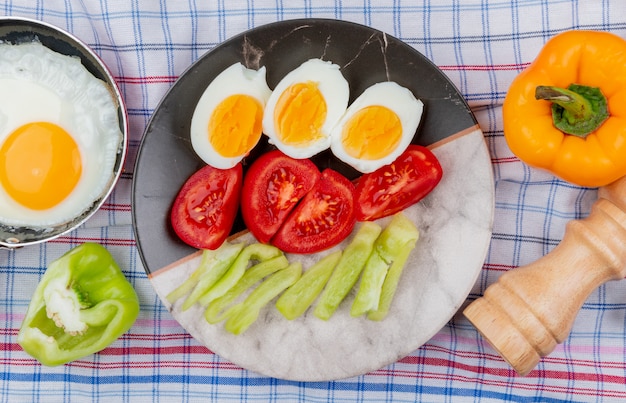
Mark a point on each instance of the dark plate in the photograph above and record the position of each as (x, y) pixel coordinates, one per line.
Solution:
(455, 220)
(366, 56)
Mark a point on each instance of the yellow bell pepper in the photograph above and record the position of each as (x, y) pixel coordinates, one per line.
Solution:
(566, 112)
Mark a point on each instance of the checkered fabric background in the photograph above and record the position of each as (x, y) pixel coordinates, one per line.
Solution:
(481, 45)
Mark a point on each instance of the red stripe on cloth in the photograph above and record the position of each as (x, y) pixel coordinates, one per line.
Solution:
(498, 267)
(521, 384)
(9, 332)
(29, 362)
(160, 351)
(146, 80)
(486, 67)
(110, 241)
(505, 160)
(116, 207)
(508, 373)
(10, 347)
(160, 364)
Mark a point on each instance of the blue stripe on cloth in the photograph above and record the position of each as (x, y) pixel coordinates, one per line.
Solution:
(273, 385)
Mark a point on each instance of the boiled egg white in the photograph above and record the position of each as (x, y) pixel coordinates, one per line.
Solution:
(227, 121)
(377, 127)
(59, 136)
(304, 107)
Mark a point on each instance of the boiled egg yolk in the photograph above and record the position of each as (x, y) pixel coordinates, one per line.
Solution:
(372, 133)
(40, 165)
(235, 125)
(300, 114)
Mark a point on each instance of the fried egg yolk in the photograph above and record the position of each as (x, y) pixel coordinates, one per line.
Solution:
(372, 133)
(300, 114)
(40, 165)
(236, 125)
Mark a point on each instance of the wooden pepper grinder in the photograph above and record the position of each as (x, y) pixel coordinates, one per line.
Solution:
(531, 309)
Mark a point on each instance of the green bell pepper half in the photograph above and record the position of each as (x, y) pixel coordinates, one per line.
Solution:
(81, 305)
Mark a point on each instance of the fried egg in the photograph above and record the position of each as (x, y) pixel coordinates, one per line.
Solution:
(304, 107)
(227, 121)
(59, 136)
(377, 127)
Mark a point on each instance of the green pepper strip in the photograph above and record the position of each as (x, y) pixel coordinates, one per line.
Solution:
(81, 305)
(299, 297)
(212, 267)
(348, 269)
(389, 286)
(253, 252)
(216, 310)
(247, 312)
(577, 110)
(390, 253)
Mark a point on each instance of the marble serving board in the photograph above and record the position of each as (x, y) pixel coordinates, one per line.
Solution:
(455, 228)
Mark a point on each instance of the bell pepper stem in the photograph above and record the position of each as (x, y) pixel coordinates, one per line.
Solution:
(577, 106)
(577, 110)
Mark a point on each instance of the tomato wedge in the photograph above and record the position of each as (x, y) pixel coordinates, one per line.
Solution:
(206, 205)
(273, 185)
(396, 186)
(322, 219)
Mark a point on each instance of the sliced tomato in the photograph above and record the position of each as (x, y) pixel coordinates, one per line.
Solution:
(323, 218)
(273, 185)
(206, 205)
(396, 186)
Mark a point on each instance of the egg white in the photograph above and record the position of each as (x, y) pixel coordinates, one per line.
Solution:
(393, 96)
(234, 80)
(39, 84)
(336, 92)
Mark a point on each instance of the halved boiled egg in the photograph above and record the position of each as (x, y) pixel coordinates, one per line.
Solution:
(227, 121)
(304, 107)
(377, 127)
(59, 136)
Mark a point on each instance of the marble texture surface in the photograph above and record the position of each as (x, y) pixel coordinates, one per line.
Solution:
(455, 223)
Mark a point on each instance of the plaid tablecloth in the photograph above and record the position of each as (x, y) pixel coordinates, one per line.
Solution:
(481, 45)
